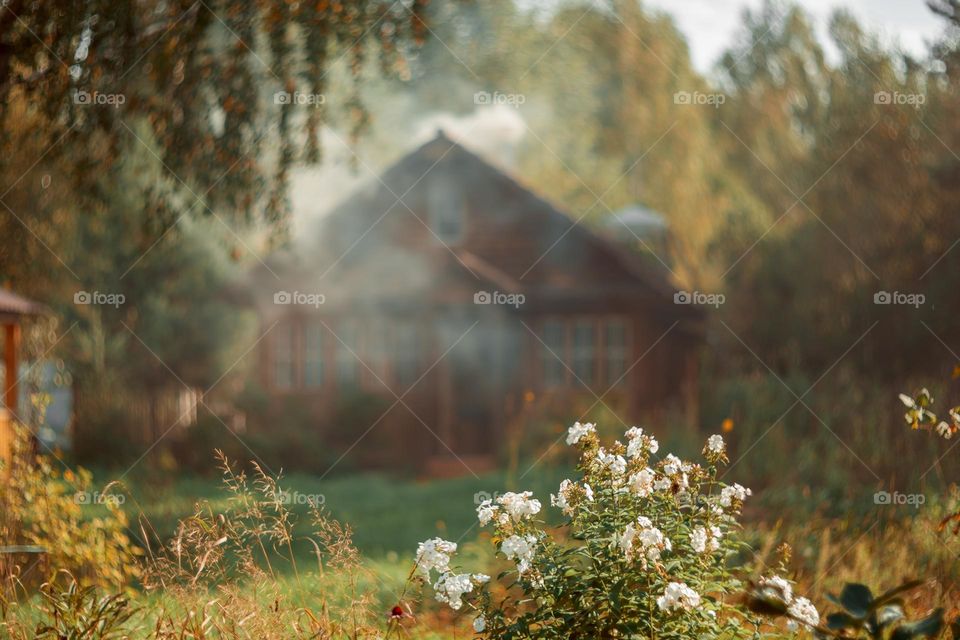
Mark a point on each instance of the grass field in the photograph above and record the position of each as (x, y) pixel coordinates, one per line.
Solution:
(389, 516)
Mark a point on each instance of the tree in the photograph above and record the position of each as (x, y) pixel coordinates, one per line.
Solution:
(204, 74)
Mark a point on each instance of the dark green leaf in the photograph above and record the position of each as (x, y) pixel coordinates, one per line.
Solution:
(928, 627)
(857, 599)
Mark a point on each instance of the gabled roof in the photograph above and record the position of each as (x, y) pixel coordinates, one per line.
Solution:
(532, 252)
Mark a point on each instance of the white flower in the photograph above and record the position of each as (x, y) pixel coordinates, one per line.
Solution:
(479, 624)
(486, 512)
(672, 465)
(650, 540)
(434, 554)
(519, 505)
(677, 595)
(733, 493)
(615, 463)
(698, 540)
(703, 541)
(562, 499)
(578, 430)
(521, 550)
(450, 588)
(715, 444)
(944, 430)
(637, 442)
(778, 588)
(804, 611)
(588, 491)
(642, 482)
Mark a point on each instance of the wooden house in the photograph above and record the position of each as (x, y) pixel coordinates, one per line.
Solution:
(469, 305)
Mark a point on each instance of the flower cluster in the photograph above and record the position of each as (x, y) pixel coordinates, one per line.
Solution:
(521, 550)
(732, 497)
(678, 596)
(658, 530)
(434, 555)
(920, 416)
(568, 496)
(706, 540)
(509, 507)
(647, 537)
(577, 431)
(776, 593)
(450, 587)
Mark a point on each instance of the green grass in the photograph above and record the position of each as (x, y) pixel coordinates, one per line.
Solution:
(388, 515)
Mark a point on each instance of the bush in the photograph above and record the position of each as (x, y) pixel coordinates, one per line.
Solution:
(645, 554)
(81, 529)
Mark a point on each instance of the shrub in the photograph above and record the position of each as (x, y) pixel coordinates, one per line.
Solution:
(861, 615)
(645, 554)
(82, 530)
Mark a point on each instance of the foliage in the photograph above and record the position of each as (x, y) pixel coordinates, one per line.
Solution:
(196, 71)
(76, 613)
(44, 506)
(645, 553)
(862, 614)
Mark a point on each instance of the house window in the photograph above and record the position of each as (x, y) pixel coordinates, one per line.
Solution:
(283, 354)
(615, 351)
(406, 354)
(445, 208)
(584, 351)
(313, 354)
(552, 354)
(347, 365)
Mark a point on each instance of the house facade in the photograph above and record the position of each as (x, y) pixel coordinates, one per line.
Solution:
(470, 306)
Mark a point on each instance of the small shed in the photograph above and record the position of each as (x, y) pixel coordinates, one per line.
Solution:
(14, 309)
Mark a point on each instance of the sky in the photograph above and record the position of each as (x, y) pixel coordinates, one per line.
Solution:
(711, 24)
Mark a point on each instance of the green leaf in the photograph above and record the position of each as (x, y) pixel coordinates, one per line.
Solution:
(928, 627)
(840, 620)
(856, 599)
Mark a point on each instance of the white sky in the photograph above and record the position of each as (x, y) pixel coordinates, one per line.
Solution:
(711, 24)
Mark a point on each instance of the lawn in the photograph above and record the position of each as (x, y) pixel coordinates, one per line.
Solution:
(388, 515)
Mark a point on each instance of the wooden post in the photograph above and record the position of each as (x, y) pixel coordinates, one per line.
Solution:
(10, 392)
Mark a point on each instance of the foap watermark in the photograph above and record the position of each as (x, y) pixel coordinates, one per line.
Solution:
(297, 498)
(511, 299)
(299, 298)
(299, 98)
(914, 300)
(897, 98)
(482, 496)
(699, 298)
(485, 98)
(100, 298)
(96, 98)
(96, 497)
(699, 98)
(885, 498)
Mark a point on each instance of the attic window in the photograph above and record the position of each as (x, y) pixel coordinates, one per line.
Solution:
(446, 208)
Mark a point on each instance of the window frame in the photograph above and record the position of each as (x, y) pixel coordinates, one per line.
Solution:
(599, 349)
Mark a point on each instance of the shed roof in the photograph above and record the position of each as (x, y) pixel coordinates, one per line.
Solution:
(16, 305)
